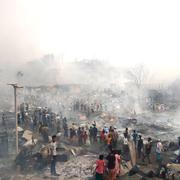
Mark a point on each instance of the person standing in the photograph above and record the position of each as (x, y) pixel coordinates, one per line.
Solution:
(115, 139)
(95, 131)
(111, 166)
(65, 130)
(71, 134)
(53, 147)
(109, 142)
(100, 167)
(159, 149)
(102, 136)
(85, 137)
(125, 147)
(80, 136)
(140, 146)
(126, 134)
(135, 136)
(91, 135)
(117, 162)
(4, 120)
(179, 145)
(148, 148)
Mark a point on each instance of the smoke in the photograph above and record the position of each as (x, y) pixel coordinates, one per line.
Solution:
(95, 75)
(128, 86)
(50, 70)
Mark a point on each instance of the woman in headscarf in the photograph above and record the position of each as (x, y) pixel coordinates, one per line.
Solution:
(117, 162)
(111, 166)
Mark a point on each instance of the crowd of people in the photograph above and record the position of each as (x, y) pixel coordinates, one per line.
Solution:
(83, 134)
(39, 116)
(145, 150)
(111, 162)
(87, 107)
(116, 145)
(109, 138)
(80, 105)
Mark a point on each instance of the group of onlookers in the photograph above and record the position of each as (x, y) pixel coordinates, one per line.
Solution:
(110, 166)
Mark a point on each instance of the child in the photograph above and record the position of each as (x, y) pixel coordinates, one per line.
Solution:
(100, 168)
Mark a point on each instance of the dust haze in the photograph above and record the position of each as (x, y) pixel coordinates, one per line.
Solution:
(86, 64)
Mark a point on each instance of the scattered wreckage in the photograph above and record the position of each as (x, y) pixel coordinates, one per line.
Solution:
(35, 154)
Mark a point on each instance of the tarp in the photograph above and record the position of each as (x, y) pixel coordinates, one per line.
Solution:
(27, 135)
(176, 152)
(175, 167)
(132, 152)
(20, 129)
(125, 168)
(72, 151)
(30, 143)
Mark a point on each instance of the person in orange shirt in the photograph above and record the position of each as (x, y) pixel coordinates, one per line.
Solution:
(109, 139)
(100, 168)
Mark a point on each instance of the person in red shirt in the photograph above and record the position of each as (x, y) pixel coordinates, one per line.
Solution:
(102, 136)
(100, 168)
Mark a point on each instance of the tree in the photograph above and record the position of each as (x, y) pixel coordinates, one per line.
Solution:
(19, 74)
(137, 75)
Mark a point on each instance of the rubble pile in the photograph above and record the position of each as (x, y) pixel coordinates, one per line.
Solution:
(38, 124)
(80, 167)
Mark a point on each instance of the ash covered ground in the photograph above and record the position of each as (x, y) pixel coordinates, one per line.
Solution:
(61, 109)
(84, 109)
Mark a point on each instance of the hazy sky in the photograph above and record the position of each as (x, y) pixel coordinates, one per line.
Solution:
(123, 32)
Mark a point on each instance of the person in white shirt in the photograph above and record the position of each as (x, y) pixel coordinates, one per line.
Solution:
(53, 147)
(159, 146)
(159, 149)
